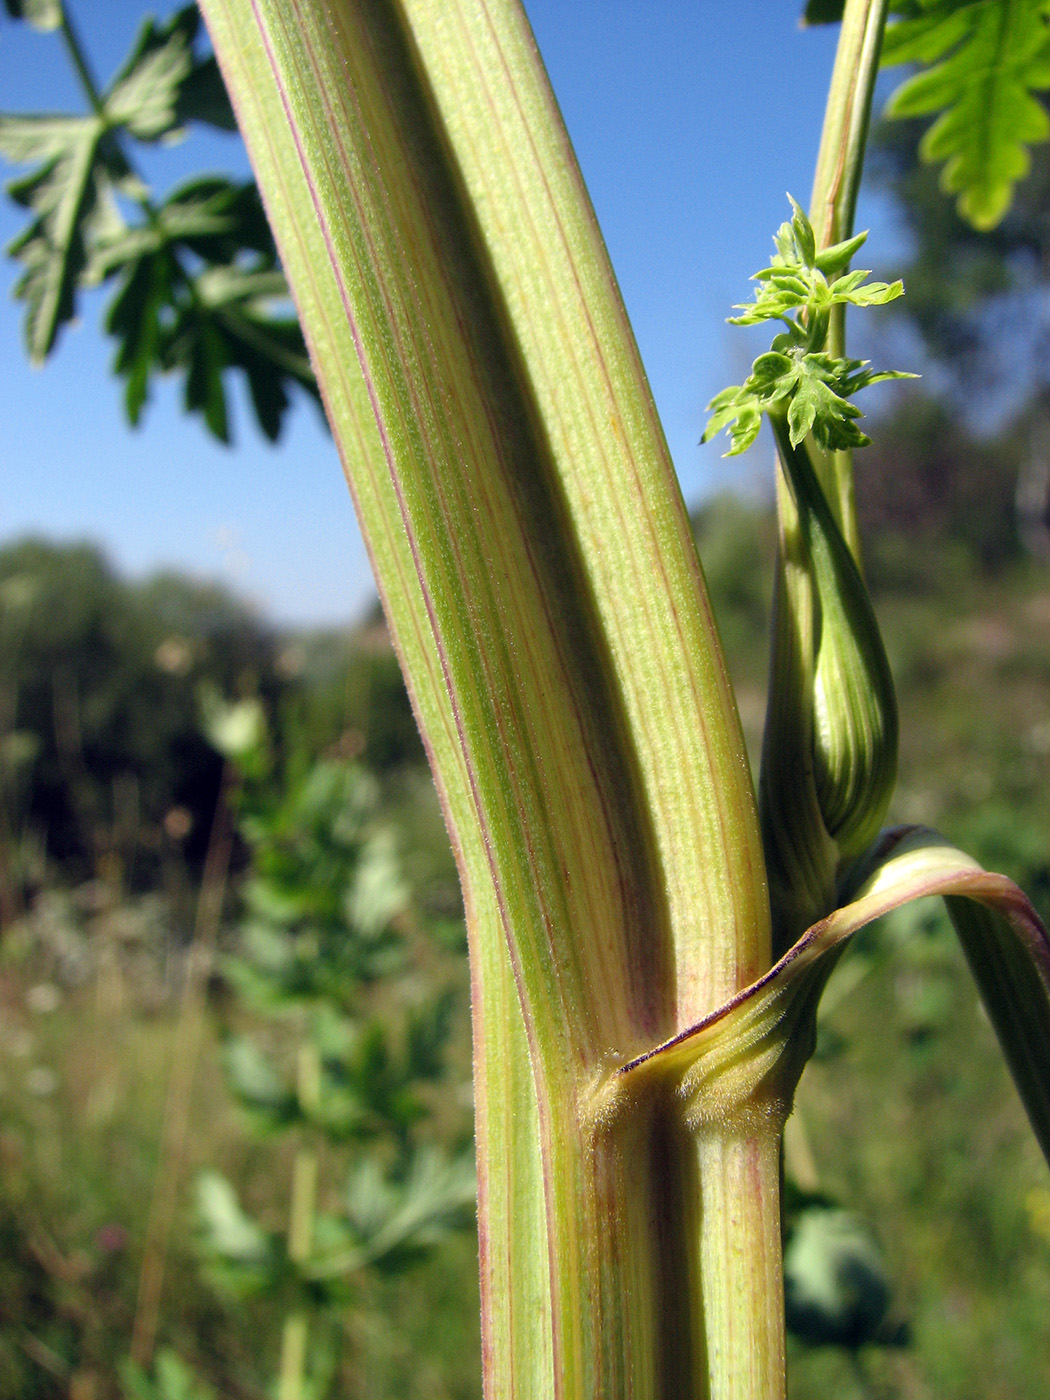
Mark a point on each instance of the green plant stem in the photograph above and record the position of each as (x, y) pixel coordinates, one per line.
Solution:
(802, 858)
(78, 58)
(847, 116)
(188, 1039)
(836, 182)
(744, 1316)
(302, 1208)
(535, 559)
(294, 1338)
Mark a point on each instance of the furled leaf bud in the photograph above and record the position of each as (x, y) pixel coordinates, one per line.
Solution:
(830, 754)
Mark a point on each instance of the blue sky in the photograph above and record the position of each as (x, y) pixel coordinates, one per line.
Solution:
(691, 119)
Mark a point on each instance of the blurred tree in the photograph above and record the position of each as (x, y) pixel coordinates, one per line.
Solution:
(978, 303)
(934, 498)
(100, 682)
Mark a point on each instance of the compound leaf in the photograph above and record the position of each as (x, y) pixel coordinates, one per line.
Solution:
(199, 289)
(982, 61)
(70, 196)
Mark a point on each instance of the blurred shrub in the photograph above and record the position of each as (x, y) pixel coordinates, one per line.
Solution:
(352, 1065)
(351, 698)
(934, 501)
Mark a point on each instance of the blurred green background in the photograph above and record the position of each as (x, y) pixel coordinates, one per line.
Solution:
(906, 1117)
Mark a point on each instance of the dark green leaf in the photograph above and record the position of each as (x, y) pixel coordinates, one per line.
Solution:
(823, 11)
(202, 97)
(198, 345)
(71, 200)
(134, 319)
(77, 236)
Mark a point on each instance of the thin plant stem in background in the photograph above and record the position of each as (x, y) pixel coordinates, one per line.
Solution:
(185, 1057)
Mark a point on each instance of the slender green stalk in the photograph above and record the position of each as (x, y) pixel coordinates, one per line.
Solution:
(78, 58)
(188, 1039)
(745, 1341)
(295, 1335)
(836, 183)
(831, 707)
(840, 159)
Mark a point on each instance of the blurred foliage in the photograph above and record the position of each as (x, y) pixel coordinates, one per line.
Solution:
(90, 982)
(172, 1380)
(351, 698)
(836, 1288)
(88, 986)
(332, 953)
(935, 500)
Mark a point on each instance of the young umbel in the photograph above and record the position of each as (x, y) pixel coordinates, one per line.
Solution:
(648, 940)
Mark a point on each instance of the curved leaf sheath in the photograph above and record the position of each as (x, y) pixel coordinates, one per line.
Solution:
(747, 1057)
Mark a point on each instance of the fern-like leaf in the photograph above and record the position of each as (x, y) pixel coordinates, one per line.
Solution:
(980, 61)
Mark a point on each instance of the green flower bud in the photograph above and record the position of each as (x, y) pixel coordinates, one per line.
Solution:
(829, 758)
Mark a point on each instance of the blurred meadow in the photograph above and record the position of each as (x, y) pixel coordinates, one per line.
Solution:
(235, 1104)
(338, 940)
